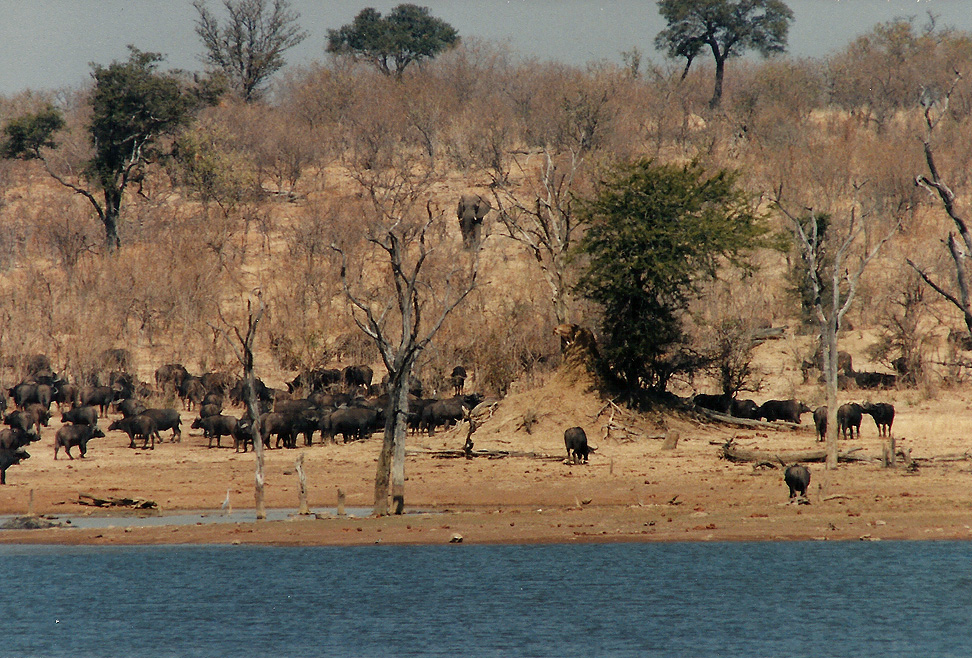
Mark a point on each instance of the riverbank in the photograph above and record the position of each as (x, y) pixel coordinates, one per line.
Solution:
(520, 489)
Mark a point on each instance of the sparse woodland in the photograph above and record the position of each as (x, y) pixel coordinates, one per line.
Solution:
(257, 195)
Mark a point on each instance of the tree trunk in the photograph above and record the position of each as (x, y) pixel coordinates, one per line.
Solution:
(110, 219)
(829, 348)
(720, 73)
(253, 406)
(397, 416)
(383, 474)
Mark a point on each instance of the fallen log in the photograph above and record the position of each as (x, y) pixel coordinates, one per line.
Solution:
(490, 454)
(747, 422)
(734, 453)
(111, 501)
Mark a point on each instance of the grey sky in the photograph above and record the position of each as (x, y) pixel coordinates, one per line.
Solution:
(49, 44)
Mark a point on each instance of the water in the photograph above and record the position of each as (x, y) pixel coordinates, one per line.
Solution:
(766, 599)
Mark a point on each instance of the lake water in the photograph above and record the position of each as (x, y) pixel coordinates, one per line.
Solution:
(733, 599)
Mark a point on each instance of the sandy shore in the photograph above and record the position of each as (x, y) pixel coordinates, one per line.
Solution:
(631, 490)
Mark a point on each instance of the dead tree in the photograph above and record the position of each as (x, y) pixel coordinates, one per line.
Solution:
(544, 221)
(243, 349)
(844, 278)
(934, 112)
(397, 321)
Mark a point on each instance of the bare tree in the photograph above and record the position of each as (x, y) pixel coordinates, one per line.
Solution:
(395, 316)
(934, 111)
(844, 277)
(243, 349)
(249, 48)
(544, 222)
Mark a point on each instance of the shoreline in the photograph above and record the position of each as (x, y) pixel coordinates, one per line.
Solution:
(513, 526)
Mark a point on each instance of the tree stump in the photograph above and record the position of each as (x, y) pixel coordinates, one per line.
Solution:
(304, 510)
(671, 440)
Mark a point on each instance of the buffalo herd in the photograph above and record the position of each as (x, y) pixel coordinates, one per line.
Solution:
(849, 415)
(329, 402)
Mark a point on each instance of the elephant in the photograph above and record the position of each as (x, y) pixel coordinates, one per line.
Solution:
(471, 211)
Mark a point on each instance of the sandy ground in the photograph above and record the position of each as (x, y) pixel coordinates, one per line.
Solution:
(631, 490)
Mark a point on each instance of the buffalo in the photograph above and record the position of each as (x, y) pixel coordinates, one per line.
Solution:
(744, 409)
(875, 380)
(575, 439)
(101, 396)
(883, 415)
(216, 427)
(458, 379)
(75, 435)
(34, 416)
(24, 393)
(169, 377)
(129, 407)
(12, 449)
(66, 394)
(788, 410)
(797, 478)
(717, 403)
(849, 418)
(80, 416)
(350, 422)
(355, 376)
(165, 419)
(281, 425)
(137, 427)
(820, 422)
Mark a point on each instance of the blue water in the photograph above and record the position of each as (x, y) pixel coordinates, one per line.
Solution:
(761, 599)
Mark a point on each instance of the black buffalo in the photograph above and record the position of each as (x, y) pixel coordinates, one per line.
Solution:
(169, 377)
(215, 427)
(718, 403)
(29, 419)
(75, 435)
(357, 376)
(744, 409)
(137, 427)
(883, 415)
(165, 419)
(24, 393)
(458, 379)
(129, 407)
(350, 422)
(12, 449)
(575, 440)
(788, 410)
(100, 396)
(447, 412)
(820, 422)
(849, 418)
(797, 478)
(81, 416)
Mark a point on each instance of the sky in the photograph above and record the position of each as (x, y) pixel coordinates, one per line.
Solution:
(50, 44)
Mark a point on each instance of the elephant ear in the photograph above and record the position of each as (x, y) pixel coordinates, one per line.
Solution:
(483, 207)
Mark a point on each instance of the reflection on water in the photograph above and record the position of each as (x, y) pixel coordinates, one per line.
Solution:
(728, 600)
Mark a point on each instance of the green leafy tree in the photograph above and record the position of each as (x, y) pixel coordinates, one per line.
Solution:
(249, 47)
(727, 27)
(409, 33)
(132, 108)
(654, 233)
